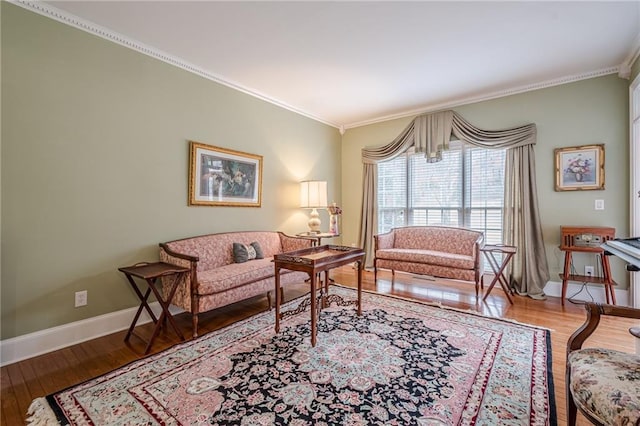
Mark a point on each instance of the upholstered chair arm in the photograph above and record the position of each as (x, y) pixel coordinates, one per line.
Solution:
(594, 312)
(384, 241)
(290, 243)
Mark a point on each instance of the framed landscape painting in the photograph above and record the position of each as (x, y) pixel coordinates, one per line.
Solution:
(580, 168)
(224, 177)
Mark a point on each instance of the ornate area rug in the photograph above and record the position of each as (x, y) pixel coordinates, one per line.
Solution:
(400, 363)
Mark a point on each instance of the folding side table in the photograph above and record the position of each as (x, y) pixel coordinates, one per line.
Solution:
(507, 252)
(150, 272)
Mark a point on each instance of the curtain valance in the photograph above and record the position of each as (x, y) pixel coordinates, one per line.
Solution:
(430, 134)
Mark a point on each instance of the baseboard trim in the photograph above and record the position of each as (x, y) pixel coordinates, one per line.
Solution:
(590, 293)
(41, 342)
(44, 341)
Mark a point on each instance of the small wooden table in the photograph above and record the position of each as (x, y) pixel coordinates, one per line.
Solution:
(150, 272)
(586, 239)
(314, 261)
(507, 253)
(316, 237)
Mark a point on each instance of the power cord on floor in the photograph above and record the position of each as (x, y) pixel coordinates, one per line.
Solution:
(584, 286)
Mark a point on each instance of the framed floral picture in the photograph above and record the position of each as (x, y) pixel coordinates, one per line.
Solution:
(580, 168)
(224, 177)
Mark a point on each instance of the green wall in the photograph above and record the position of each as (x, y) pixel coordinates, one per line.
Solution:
(587, 112)
(94, 168)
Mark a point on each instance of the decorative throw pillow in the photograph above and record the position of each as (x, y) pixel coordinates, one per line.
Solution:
(245, 252)
(258, 249)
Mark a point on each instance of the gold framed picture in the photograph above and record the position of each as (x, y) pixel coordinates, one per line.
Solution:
(580, 168)
(224, 177)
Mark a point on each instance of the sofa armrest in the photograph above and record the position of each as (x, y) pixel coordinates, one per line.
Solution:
(384, 241)
(479, 243)
(186, 291)
(479, 264)
(290, 243)
(184, 256)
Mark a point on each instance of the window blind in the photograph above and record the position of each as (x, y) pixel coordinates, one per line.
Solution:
(465, 189)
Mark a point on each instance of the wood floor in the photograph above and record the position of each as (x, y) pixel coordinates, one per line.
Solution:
(23, 381)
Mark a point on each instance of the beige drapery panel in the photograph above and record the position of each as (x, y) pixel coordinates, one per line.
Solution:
(430, 133)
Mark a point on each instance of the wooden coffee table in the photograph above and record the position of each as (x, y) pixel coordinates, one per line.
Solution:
(314, 261)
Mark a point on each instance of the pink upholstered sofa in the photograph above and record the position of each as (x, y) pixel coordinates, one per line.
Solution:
(438, 251)
(216, 279)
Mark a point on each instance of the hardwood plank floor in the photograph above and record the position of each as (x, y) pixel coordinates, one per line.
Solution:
(25, 380)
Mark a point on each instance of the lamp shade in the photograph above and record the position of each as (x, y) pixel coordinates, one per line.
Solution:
(313, 194)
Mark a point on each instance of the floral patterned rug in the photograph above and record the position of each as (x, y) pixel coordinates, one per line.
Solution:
(402, 362)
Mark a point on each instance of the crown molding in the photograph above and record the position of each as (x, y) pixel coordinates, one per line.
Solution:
(90, 27)
(487, 96)
(59, 15)
(625, 67)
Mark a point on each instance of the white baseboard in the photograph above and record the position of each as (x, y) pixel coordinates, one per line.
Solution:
(590, 293)
(43, 341)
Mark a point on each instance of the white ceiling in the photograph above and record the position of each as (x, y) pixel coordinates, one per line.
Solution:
(353, 63)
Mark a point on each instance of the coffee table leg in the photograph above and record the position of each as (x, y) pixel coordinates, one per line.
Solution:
(325, 293)
(359, 288)
(278, 299)
(314, 314)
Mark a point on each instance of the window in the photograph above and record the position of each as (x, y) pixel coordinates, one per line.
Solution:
(465, 189)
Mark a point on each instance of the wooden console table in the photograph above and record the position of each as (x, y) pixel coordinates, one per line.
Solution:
(150, 272)
(314, 261)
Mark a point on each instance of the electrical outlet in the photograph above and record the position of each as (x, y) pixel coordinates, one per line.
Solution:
(81, 298)
(588, 270)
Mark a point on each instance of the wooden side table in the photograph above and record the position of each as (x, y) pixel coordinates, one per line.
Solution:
(316, 237)
(150, 272)
(587, 239)
(507, 252)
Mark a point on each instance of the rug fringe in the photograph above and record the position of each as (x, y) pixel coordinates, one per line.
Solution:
(41, 414)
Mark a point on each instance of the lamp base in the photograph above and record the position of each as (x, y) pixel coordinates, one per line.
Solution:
(314, 222)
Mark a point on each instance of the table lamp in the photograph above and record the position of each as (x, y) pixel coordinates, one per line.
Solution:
(313, 195)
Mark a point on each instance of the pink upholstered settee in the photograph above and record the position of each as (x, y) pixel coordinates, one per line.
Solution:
(431, 250)
(216, 279)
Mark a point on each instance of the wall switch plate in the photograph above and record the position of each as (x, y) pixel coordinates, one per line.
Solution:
(588, 271)
(81, 298)
(599, 204)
